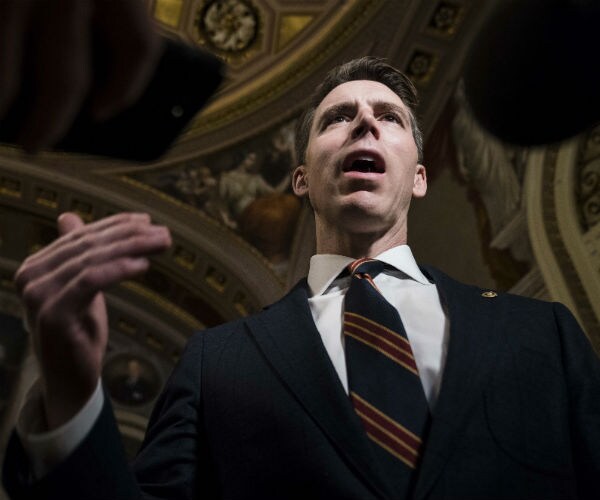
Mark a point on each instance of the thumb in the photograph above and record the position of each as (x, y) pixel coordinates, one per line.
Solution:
(68, 222)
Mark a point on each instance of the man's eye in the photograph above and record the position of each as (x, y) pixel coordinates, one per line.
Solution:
(391, 117)
(339, 118)
(334, 118)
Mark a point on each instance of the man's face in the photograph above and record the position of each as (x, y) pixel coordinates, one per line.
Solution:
(361, 167)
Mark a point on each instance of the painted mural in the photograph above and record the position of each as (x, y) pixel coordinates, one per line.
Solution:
(246, 189)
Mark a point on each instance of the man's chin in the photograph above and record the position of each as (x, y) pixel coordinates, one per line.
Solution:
(363, 217)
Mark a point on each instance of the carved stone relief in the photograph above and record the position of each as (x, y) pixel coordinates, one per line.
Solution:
(494, 173)
(588, 187)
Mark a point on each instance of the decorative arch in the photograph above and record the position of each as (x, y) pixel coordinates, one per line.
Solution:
(567, 253)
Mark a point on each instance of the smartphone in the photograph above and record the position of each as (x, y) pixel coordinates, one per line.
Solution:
(184, 80)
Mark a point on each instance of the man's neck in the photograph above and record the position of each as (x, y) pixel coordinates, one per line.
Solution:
(357, 245)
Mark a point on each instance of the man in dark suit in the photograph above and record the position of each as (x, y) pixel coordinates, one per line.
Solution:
(259, 408)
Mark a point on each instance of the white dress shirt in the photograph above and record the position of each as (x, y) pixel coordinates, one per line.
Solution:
(414, 297)
(48, 448)
(405, 287)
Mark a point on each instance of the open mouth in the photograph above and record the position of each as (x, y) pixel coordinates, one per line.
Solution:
(364, 163)
(363, 166)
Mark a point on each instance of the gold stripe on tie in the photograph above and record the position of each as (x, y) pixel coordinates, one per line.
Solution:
(387, 433)
(385, 329)
(381, 339)
(391, 393)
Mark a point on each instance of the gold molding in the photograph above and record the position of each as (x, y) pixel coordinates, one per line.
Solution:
(290, 26)
(231, 106)
(436, 26)
(566, 266)
(168, 12)
(162, 303)
(142, 186)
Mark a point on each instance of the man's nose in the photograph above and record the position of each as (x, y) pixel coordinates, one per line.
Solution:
(365, 123)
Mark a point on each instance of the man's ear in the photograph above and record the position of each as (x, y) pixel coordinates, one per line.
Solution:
(300, 181)
(420, 182)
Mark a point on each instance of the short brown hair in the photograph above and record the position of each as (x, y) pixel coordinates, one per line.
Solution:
(365, 68)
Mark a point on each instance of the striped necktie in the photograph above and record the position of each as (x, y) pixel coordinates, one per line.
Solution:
(383, 379)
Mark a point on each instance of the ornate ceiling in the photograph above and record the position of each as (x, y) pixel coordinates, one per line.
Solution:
(294, 43)
(240, 238)
(218, 185)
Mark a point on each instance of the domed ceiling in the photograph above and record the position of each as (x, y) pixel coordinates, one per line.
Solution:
(240, 238)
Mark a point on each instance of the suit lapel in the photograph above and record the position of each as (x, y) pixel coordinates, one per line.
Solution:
(288, 337)
(469, 357)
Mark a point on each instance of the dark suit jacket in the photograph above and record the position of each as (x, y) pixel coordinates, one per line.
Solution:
(255, 410)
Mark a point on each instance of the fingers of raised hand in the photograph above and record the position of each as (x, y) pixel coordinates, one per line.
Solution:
(57, 306)
(77, 238)
(94, 257)
(68, 222)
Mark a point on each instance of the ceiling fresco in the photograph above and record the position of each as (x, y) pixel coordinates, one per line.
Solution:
(225, 183)
(268, 45)
(246, 189)
(240, 237)
(234, 163)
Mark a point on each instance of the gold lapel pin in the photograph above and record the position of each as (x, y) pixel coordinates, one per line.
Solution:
(489, 294)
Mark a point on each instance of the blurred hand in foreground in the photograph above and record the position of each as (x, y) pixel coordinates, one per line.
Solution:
(50, 44)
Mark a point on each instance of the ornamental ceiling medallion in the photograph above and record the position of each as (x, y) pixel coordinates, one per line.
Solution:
(229, 28)
(269, 47)
(446, 19)
(243, 181)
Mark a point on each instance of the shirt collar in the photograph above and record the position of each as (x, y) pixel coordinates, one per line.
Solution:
(324, 268)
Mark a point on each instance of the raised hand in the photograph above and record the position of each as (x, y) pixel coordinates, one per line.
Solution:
(61, 288)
